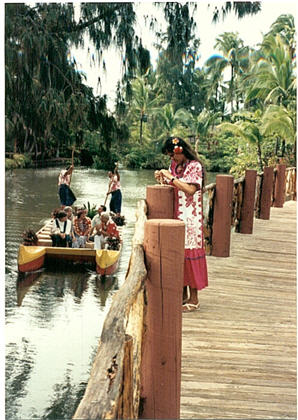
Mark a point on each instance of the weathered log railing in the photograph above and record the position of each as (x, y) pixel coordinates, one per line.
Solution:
(113, 390)
(116, 386)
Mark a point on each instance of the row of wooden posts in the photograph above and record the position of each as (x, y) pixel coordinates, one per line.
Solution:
(137, 370)
(232, 203)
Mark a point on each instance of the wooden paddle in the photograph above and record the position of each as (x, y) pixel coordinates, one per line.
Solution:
(72, 154)
(106, 199)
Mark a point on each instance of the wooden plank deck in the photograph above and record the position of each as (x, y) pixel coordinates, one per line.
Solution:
(239, 350)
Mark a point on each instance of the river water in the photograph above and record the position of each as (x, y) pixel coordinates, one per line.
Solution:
(53, 319)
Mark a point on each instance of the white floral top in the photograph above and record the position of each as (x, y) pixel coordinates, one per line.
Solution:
(189, 208)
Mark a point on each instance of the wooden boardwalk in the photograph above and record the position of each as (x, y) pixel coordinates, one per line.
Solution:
(239, 350)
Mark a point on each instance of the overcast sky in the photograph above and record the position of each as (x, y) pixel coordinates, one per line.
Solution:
(250, 29)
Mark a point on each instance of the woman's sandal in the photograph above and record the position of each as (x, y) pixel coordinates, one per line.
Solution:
(190, 307)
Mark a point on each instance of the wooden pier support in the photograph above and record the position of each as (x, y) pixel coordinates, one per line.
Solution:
(266, 193)
(161, 360)
(160, 201)
(280, 186)
(248, 204)
(222, 216)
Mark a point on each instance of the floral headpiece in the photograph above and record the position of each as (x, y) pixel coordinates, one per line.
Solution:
(177, 149)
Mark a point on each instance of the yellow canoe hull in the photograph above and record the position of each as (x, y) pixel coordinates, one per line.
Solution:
(107, 261)
(32, 258)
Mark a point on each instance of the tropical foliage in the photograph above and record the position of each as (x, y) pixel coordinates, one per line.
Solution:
(238, 109)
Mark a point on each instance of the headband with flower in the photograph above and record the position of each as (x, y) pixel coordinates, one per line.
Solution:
(177, 149)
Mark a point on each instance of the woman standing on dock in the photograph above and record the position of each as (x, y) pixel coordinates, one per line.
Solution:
(186, 174)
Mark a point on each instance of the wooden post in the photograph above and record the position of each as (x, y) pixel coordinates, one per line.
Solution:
(221, 233)
(161, 359)
(266, 193)
(248, 204)
(280, 186)
(160, 201)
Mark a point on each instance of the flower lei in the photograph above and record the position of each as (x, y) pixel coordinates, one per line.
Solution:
(86, 226)
(177, 149)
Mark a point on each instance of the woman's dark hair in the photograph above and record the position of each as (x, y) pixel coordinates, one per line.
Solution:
(188, 151)
(61, 214)
(80, 212)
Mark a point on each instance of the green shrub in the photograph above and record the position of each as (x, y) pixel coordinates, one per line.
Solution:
(18, 161)
(10, 164)
(91, 211)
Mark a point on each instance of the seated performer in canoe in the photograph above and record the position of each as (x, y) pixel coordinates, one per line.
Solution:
(96, 219)
(61, 230)
(104, 231)
(81, 228)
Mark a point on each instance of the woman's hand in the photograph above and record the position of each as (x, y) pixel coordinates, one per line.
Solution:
(166, 174)
(189, 189)
(159, 176)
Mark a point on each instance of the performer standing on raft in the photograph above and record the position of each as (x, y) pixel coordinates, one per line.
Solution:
(115, 190)
(67, 197)
(186, 174)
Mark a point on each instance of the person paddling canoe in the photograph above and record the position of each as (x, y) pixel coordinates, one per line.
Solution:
(67, 197)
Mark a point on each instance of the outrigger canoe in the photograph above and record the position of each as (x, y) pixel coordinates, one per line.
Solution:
(32, 258)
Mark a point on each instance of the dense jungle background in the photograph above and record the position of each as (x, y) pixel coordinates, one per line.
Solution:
(244, 120)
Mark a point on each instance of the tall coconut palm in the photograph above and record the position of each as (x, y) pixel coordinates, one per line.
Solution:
(235, 56)
(272, 79)
(281, 122)
(169, 121)
(143, 103)
(285, 27)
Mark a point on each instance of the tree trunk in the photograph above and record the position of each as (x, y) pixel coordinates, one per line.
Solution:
(232, 88)
(259, 156)
(276, 146)
(283, 148)
(141, 128)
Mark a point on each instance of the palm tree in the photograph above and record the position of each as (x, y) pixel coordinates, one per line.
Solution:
(199, 125)
(248, 128)
(143, 102)
(235, 56)
(215, 88)
(169, 121)
(271, 79)
(279, 121)
(285, 27)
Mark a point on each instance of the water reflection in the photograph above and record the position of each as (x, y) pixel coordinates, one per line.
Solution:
(103, 286)
(19, 364)
(24, 283)
(54, 318)
(65, 398)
